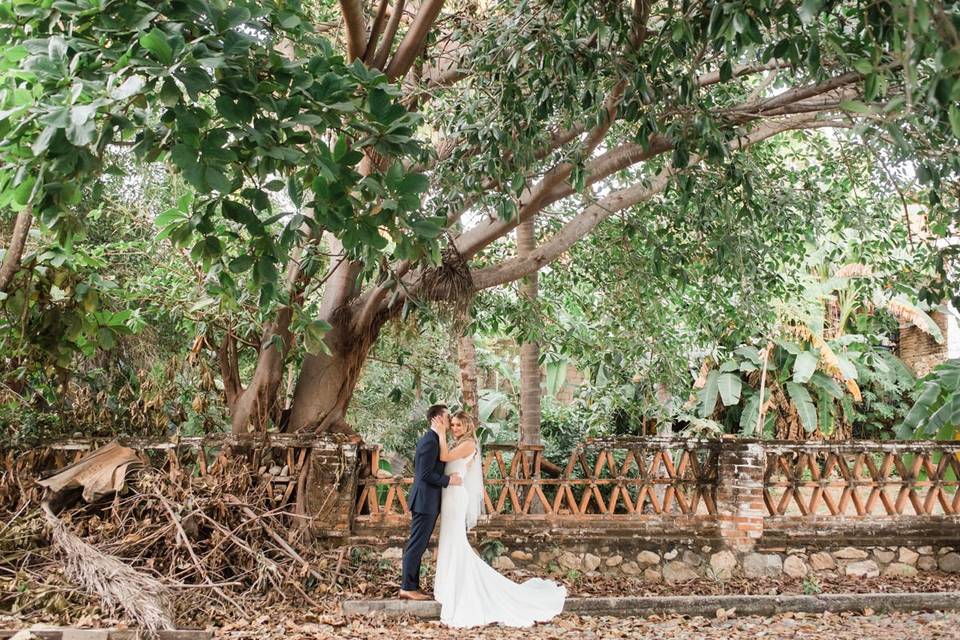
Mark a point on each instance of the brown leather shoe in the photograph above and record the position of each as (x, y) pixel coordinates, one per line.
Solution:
(413, 595)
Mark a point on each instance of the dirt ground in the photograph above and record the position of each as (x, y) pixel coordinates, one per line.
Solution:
(867, 625)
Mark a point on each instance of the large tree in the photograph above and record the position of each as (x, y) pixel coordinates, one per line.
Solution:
(561, 112)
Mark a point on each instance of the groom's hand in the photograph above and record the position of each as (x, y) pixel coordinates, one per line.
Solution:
(455, 480)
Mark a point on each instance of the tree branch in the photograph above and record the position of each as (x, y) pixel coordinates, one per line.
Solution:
(356, 28)
(375, 30)
(585, 222)
(14, 252)
(380, 58)
(532, 199)
(623, 156)
(413, 41)
(229, 368)
(713, 77)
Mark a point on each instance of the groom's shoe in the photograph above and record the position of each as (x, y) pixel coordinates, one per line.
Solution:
(413, 595)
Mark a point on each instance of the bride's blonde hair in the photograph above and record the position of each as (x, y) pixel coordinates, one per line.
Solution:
(471, 427)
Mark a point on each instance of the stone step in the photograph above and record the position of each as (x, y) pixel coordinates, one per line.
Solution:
(705, 606)
(66, 633)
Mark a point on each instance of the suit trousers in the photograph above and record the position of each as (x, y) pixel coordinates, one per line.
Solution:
(421, 528)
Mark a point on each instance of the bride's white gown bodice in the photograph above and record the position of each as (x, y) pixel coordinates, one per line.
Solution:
(470, 591)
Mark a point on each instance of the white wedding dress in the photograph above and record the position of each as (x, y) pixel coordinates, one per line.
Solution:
(471, 592)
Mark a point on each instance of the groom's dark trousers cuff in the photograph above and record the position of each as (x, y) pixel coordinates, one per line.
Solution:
(421, 528)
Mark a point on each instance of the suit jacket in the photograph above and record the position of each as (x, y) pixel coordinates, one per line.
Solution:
(428, 480)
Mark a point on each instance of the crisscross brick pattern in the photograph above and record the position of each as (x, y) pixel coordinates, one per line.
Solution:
(613, 478)
(862, 479)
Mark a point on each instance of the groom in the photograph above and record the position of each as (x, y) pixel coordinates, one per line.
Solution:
(424, 501)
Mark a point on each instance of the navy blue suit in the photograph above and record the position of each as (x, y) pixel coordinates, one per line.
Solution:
(424, 503)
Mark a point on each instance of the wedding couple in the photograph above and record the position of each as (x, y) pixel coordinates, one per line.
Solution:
(449, 482)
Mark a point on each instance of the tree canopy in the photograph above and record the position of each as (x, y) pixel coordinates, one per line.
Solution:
(339, 167)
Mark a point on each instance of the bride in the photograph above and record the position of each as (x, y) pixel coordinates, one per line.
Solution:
(470, 591)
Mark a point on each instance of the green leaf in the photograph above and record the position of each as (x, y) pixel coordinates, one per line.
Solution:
(827, 385)
(236, 16)
(242, 214)
(854, 106)
(804, 367)
(169, 93)
(266, 269)
(156, 43)
(203, 303)
(313, 335)
(128, 88)
(289, 20)
(749, 352)
(229, 109)
(847, 368)
(42, 142)
(708, 395)
(920, 410)
(428, 228)
(750, 414)
(295, 190)
(805, 408)
(729, 385)
(945, 420)
(57, 294)
(556, 376)
(196, 80)
(23, 191)
(601, 378)
(726, 71)
(954, 115)
(168, 216)
(217, 180)
(414, 183)
(825, 410)
(80, 133)
(106, 339)
(790, 347)
(863, 65)
(729, 365)
(241, 264)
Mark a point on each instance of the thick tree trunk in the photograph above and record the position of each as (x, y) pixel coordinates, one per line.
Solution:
(327, 381)
(468, 377)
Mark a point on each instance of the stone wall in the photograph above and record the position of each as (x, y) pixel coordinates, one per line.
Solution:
(674, 564)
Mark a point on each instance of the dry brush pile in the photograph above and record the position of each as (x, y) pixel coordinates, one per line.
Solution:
(203, 549)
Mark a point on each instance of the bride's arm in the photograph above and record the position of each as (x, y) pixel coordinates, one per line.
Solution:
(462, 450)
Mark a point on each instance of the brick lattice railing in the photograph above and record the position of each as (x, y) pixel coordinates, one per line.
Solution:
(605, 477)
(734, 490)
(862, 479)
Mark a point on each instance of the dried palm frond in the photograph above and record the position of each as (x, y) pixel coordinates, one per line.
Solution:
(854, 270)
(828, 359)
(906, 313)
(702, 376)
(119, 586)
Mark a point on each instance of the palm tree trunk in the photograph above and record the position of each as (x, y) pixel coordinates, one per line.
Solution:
(468, 377)
(530, 390)
(529, 351)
